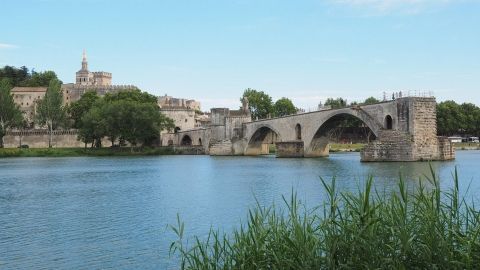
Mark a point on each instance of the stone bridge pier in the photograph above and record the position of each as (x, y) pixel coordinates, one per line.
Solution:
(405, 130)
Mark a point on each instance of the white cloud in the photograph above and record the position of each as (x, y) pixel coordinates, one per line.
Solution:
(7, 46)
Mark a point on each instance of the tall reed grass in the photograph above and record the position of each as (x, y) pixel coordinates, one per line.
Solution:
(424, 229)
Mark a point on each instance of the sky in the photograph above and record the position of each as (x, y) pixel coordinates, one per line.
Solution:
(305, 50)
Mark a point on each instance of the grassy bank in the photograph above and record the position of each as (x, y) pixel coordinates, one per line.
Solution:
(342, 147)
(426, 229)
(73, 152)
(334, 147)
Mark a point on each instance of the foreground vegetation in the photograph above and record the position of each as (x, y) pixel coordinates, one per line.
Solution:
(74, 152)
(424, 229)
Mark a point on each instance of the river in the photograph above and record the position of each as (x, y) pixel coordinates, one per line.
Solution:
(113, 212)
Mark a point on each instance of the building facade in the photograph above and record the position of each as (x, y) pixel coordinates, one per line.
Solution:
(86, 78)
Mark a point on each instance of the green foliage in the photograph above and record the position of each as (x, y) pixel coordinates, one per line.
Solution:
(283, 106)
(132, 95)
(22, 76)
(79, 108)
(50, 111)
(10, 114)
(131, 116)
(336, 103)
(424, 229)
(260, 103)
(453, 118)
(370, 100)
(15, 76)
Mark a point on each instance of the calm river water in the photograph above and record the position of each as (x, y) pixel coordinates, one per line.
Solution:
(112, 213)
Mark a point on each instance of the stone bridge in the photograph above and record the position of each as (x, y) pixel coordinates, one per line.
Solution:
(405, 130)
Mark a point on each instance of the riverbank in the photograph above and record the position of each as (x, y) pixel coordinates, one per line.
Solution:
(467, 146)
(74, 152)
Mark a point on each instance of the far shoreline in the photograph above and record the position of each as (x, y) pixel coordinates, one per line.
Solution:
(160, 151)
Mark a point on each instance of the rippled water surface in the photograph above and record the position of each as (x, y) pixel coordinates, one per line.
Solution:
(112, 213)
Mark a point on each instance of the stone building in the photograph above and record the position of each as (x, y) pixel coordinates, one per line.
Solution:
(25, 98)
(216, 131)
(100, 82)
(171, 102)
(86, 78)
(184, 112)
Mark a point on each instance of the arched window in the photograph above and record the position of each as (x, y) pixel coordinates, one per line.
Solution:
(298, 132)
(199, 141)
(177, 129)
(388, 122)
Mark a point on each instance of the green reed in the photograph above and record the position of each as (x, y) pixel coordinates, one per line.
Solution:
(424, 229)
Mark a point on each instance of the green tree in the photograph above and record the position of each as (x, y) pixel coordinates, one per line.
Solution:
(284, 106)
(15, 76)
(10, 114)
(41, 79)
(50, 112)
(260, 104)
(133, 94)
(370, 100)
(93, 127)
(336, 103)
(79, 108)
(449, 118)
(22, 77)
(134, 117)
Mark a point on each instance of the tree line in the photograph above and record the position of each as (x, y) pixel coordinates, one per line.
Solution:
(458, 119)
(24, 77)
(261, 105)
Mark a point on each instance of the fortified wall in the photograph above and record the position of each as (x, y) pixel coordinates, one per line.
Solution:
(39, 139)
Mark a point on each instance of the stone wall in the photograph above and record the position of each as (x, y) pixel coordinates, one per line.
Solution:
(424, 128)
(293, 149)
(446, 149)
(233, 125)
(184, 118)
(39, 139)
(391, 145)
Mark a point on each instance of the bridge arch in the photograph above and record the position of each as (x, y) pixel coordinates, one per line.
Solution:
(264, 135)
(330, 128)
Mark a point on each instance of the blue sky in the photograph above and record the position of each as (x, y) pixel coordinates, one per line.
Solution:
(212, 50)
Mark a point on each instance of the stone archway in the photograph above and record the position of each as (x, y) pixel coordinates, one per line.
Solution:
(186, 141)
(331, 130)
(259, 141)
